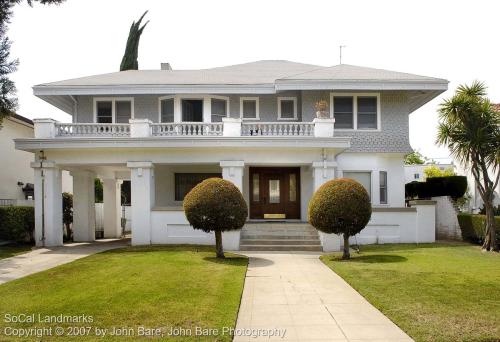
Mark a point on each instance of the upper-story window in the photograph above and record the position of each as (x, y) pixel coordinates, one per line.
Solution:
(167, 109)
(343, 111)
(113, 110)
(192, 110)
(355, 111)
(287, 108)
(367, 112)
(249, 108)
(219, 108)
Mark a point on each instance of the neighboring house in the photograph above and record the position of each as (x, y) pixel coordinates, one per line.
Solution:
(415, 172)
(16, 175)
(254, 124)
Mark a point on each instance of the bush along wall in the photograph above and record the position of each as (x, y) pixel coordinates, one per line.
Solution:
(472, 227)
(453, 186)
(17, 223)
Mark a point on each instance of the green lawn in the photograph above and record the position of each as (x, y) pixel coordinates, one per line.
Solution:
(434, 292)
(154, 287)
(9, 251)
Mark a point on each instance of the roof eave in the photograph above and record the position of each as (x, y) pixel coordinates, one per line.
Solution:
(433, 85)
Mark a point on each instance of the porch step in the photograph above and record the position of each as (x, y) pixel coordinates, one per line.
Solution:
(279, 236)
(280, 248)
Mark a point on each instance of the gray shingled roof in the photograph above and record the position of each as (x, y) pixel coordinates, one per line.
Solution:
(253, 73)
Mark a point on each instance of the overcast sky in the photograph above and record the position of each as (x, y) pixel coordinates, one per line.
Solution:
(456, 40)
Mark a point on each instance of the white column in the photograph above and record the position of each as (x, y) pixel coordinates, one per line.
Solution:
(323, 128)
(207, 109)
(324, 171)
(140, 128)
(112, 207)
(45, 128)
(143, 192)
(231, 127)
(83, 206)
(48, 204)
(232, 170)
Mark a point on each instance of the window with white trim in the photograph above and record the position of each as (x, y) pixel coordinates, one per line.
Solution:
(218, 109)
(167, 110)
(367, 112)
(287, 108)
(383, 187)
(362, 177)
(249, 108)
(359, 111)
(113, 110)
(343, 111)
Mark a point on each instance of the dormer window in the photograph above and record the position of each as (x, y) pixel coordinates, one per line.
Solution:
(113, 110)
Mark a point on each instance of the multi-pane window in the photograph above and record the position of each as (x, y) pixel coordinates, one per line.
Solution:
(123, 111)
(249, 108)
(114, 110)
(367, 112)
(104, 111)
(293, 188)
(287, 108)
(219, 109)
(167, 110)
(365, 178)
(184, 182)
(343, 111)
(416, 176)
(255, 187)
(383, 187)
(355, 111)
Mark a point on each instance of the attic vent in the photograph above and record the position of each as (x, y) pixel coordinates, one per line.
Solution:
(165, 66)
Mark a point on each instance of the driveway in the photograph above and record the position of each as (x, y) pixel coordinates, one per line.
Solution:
(41, 259)
(297, 292)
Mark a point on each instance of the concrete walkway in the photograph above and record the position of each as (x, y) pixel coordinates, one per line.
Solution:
(41, 259)
(297, 292)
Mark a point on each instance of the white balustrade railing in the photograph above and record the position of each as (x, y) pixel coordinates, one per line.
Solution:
(277, 129)
(143, 128)
(187, 129)
(92, 129)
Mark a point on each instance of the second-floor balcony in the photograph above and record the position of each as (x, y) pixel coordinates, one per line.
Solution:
(143, 128)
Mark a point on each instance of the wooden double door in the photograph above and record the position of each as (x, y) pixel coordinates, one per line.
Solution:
(275, 193)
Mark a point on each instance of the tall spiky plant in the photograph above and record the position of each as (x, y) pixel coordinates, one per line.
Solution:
(470, 127)
(129, 60)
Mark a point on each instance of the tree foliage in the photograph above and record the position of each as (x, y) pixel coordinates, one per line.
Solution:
(340, 206)
(129, 61)
(8, 65)
(470, 127)
(434, 171)
(216, 205)
(415, 158)
(67, 200)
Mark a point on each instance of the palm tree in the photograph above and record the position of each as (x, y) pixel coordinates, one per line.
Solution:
(470, 127)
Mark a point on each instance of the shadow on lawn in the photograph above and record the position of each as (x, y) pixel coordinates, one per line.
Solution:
(373, 259)
(228, 260)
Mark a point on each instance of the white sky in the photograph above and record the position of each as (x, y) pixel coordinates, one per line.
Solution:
(456, 40)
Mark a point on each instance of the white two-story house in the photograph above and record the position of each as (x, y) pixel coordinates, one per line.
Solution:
(254, 124)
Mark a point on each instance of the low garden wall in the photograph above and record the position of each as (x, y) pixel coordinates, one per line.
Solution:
(170, 226)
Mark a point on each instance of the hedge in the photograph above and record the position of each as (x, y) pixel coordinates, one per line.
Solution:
(17, 223)
(453, 186)
(472, 227)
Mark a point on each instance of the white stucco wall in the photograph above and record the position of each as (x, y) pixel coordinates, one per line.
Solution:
(15, 165)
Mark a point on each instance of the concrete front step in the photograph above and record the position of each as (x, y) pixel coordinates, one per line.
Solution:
(279, 236)
(305, 248)
(314, 242)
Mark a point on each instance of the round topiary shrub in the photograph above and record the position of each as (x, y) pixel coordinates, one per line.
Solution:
(340, 206)
(216, 205)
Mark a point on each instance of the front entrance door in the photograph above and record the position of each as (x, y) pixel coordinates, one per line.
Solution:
(274, 193)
